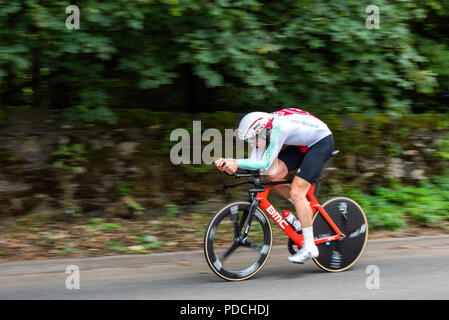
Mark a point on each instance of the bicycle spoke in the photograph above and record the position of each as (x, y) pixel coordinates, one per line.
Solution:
(242, 221)
(252, 245)
(237, 230)
(231, 249)
(237, 225)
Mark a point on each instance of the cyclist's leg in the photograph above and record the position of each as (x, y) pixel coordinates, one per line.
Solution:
(309, 171)
(279, 173)
(288, 159)
(298, 193)
(315, 159)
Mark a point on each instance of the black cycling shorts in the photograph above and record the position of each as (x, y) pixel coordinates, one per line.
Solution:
(311, 163)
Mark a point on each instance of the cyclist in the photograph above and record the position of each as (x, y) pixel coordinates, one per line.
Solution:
(309, 144)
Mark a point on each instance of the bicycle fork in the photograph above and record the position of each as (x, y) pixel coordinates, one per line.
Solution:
(242, 239)
(252, 210)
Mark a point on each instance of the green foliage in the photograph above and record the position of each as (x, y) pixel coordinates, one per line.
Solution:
(68, 250)
(233, 55)
(443, 147)
(380, 213)
(111, 226)
(97, 224)
(123, 189)
(393, 149)
(191, 170)
(427, 203)
(140, 116)
(172, 210)
(70, 158)
(219, 120)
(133, 205)
(116, 245)
(86, 114)
(388, 208)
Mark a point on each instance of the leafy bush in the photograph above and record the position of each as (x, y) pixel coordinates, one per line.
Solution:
(234, 55)
(70, 158)
(443, 148)
(381, 214)
(388, 208)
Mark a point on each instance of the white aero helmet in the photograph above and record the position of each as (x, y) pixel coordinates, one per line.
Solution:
(253, 124)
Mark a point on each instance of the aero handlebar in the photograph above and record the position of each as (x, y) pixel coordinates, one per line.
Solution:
(255, 174)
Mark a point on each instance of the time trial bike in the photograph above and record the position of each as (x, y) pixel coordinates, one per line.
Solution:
(238, 238)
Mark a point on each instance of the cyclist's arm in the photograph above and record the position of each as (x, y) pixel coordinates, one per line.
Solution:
(276, 142)
(256, 154)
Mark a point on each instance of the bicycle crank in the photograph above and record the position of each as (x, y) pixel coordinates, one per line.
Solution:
(292, 247)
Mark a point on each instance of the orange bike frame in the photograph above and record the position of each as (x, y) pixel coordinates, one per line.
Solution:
(287, 228)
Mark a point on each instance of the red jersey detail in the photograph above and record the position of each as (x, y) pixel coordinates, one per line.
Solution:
(268, 125)
(303, 149)
(289, 111)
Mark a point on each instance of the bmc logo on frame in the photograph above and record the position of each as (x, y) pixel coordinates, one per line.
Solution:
(277, 217)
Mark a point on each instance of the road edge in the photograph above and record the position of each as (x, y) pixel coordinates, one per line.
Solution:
(24, 267)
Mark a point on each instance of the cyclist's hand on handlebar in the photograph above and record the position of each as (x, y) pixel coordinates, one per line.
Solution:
(229, 166)
(219, 163)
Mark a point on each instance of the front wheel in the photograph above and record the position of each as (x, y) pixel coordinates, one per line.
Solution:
(229, 255)
(340, 255)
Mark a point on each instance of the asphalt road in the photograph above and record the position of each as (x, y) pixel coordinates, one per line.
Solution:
(406, 268)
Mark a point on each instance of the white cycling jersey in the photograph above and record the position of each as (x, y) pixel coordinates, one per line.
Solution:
(289, 126)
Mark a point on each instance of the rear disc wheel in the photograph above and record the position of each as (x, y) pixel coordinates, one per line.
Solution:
(340, 255)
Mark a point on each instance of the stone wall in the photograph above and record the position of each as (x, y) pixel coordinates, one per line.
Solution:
(51, 164)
